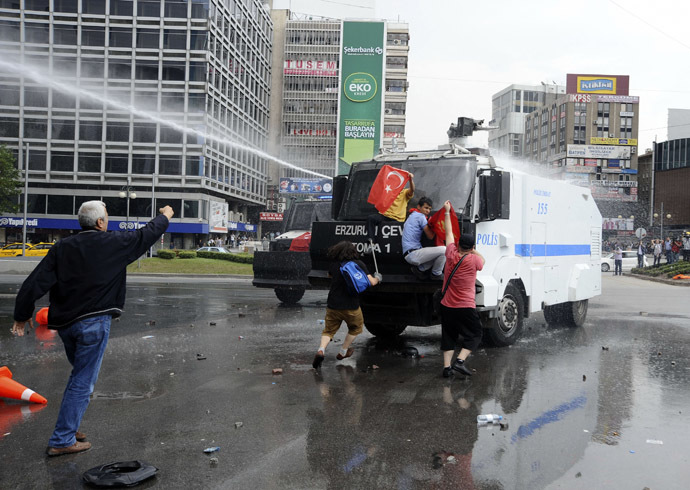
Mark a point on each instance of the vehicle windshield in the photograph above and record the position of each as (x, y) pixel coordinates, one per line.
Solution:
(446, 179)
(304, 213)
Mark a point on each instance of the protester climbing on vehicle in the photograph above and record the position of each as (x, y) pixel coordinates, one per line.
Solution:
(390, 197)
(422, 259)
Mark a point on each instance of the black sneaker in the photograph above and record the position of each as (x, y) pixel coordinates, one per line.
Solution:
(419, 274)
(460, 367)
(447, 372)
(318, 359)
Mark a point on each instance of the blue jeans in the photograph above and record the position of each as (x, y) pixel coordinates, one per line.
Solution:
(85, 343)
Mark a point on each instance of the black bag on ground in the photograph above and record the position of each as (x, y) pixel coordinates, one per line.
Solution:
(439, 294)
(120, 474)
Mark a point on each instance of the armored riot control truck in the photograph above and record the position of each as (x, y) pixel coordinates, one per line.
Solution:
(284, 268)
(541, 239)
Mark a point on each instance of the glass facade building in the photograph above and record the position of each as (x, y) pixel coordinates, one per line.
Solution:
(201, 65)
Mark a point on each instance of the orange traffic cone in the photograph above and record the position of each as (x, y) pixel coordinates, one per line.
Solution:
(42, 316)
(11, 389)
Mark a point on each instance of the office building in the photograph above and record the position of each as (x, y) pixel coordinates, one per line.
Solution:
(589, 137)
(510, 107)
(671, 184)
(202, 64)
(304, 112)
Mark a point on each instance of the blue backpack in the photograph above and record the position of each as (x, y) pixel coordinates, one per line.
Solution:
(355, 278)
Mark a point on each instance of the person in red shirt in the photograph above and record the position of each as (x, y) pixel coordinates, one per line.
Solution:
(458, 309)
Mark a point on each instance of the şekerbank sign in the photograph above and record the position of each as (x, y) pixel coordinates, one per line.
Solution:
(361, 95)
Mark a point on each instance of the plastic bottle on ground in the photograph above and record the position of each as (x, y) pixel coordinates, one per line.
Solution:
(490, 418)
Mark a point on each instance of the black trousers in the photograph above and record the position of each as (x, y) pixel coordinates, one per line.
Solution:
(460, 321)
(374, 220)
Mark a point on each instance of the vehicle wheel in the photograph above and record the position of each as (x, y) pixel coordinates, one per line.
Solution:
(506, 327)
(570, 314)
(289, 296)
(605, 267)
(385, 330)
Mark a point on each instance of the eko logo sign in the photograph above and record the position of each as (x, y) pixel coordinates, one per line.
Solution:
(360, 87)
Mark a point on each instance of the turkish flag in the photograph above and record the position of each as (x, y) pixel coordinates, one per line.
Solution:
(437, 224)
(388, 184)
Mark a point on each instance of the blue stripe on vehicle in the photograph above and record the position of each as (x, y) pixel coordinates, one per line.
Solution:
(550, 250)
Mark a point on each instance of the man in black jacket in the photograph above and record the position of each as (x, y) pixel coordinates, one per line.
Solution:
(86, 276)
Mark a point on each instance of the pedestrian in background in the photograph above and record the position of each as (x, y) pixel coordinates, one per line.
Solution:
(618, 261)
(86, 275)
(458, 308)
(676, 247)
(342, 305)
(686, 247)
(657, 253)
(668, 250)
(640, 254)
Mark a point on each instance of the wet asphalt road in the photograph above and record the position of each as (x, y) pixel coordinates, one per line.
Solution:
(578, 416)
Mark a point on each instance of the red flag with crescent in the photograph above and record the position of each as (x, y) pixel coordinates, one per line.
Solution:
(388, 184)
(437, 224)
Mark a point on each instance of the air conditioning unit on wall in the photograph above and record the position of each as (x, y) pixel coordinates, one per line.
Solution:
(396, 42)
(388, 111)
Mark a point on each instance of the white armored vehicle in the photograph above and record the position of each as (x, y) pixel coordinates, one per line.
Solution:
(541, 239)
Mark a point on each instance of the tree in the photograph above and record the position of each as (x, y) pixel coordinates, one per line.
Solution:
(10, 186)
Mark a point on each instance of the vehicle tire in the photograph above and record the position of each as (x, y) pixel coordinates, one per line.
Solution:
(385, 330)
(506, 327)
(605, 267)
(289, 296)
(570, 314)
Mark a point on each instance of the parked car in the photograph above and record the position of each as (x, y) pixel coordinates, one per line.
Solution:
(39, 250)
(629, 261)
(13, 250)
(222, 250)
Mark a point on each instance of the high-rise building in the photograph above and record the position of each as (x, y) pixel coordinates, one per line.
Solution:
(589, 137)
(509, 107)
(304, 111)
(202, 64)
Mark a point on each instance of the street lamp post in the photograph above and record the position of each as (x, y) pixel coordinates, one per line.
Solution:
(128, 193)
(657, 215)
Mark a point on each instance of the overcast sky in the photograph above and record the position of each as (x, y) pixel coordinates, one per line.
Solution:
(462, 52)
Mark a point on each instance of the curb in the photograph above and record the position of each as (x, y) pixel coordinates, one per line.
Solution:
(154, 275)
(662, 280)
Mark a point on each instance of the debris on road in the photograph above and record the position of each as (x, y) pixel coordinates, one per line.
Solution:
(655, 441)
(213, 324)
(200, 357)
(374, 366)
(240, 337)
(584, 378)
(209, 450)
(238, 425)
(147, 337)
(278, 371)
(151, 323)
(604, 348)
(213, 461)
(578, 475)
(191, 325)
